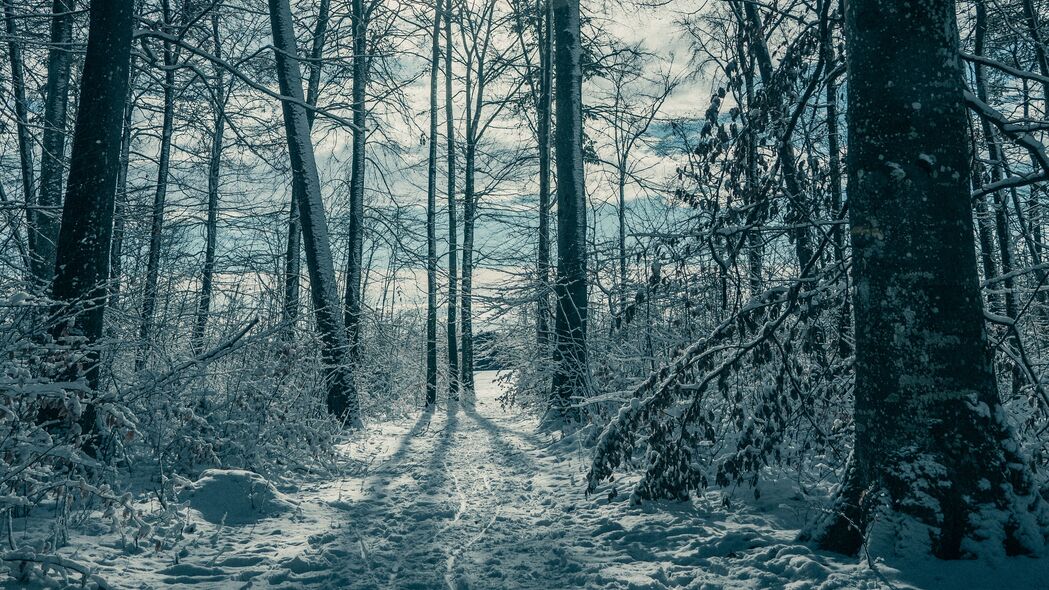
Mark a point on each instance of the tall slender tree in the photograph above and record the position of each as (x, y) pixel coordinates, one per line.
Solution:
(342, 390)
(431, 213)
(453, 249)
(156, 234)
(53, 140)
(25, 141)
(360, 15)
(543, 112)
(292, 258)
(571, 371)
(219, 96)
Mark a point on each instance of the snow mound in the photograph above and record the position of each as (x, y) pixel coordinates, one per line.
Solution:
(234, 497)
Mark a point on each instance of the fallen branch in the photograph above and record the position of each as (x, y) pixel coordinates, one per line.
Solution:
(57, 562)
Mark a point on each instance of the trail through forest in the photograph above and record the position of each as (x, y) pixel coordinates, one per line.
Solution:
(473, 496)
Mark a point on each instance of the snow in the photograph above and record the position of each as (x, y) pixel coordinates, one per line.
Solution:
(234, 497)
(473, 496)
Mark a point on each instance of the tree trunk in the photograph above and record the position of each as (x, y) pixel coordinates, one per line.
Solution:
(214, 169)
(571, 376)
(82, 256)
(1034, 30)
(543, 137)
(466, 347)
(621, 218)
(787, 158)
(292, 260)
(156, 234)
(431, 226)
(342, 392)
(356, 241)
(932, 452)
(750, 172)
(116, 255)
(996, 159)
(53, 144)
(41, 275)
(453, 249)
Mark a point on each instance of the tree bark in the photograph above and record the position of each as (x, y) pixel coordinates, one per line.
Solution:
(82, 256)
(53, 143)
(932, 451)
(342, 392)
(431, 226)
(571, 372)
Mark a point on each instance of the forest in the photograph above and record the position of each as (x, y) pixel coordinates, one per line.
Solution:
(524, 294)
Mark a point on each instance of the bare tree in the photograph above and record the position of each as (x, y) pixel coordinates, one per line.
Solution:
(342, 391)
(571, 376)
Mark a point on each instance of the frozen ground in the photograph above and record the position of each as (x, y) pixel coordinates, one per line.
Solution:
(472, 497)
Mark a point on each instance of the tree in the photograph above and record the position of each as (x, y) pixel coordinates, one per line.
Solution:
(53, 141)
(431, 225)
(82, 256)
(149, 296)
(931, 445)
(571, 376)
(292, 266)
(485, 62)
(453, 251)
(342, 391)
(25, 141)
(361, 16)
(219, 97)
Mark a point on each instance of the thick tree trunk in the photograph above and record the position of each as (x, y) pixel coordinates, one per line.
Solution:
(82, 257)
(41, 275)
(933, 454)
(342, 392)
(571, 372)
(214, 170)
(431, 225)
(53, 143)
(292, 259)
(356, 241)
(543, 109)
(453, 249)
(156, 234)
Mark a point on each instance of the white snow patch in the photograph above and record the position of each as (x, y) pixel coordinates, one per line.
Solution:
(234, 497)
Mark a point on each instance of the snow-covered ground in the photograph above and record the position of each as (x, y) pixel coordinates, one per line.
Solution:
(472, 497)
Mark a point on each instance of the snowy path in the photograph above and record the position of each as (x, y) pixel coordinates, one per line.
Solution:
(472, 497)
